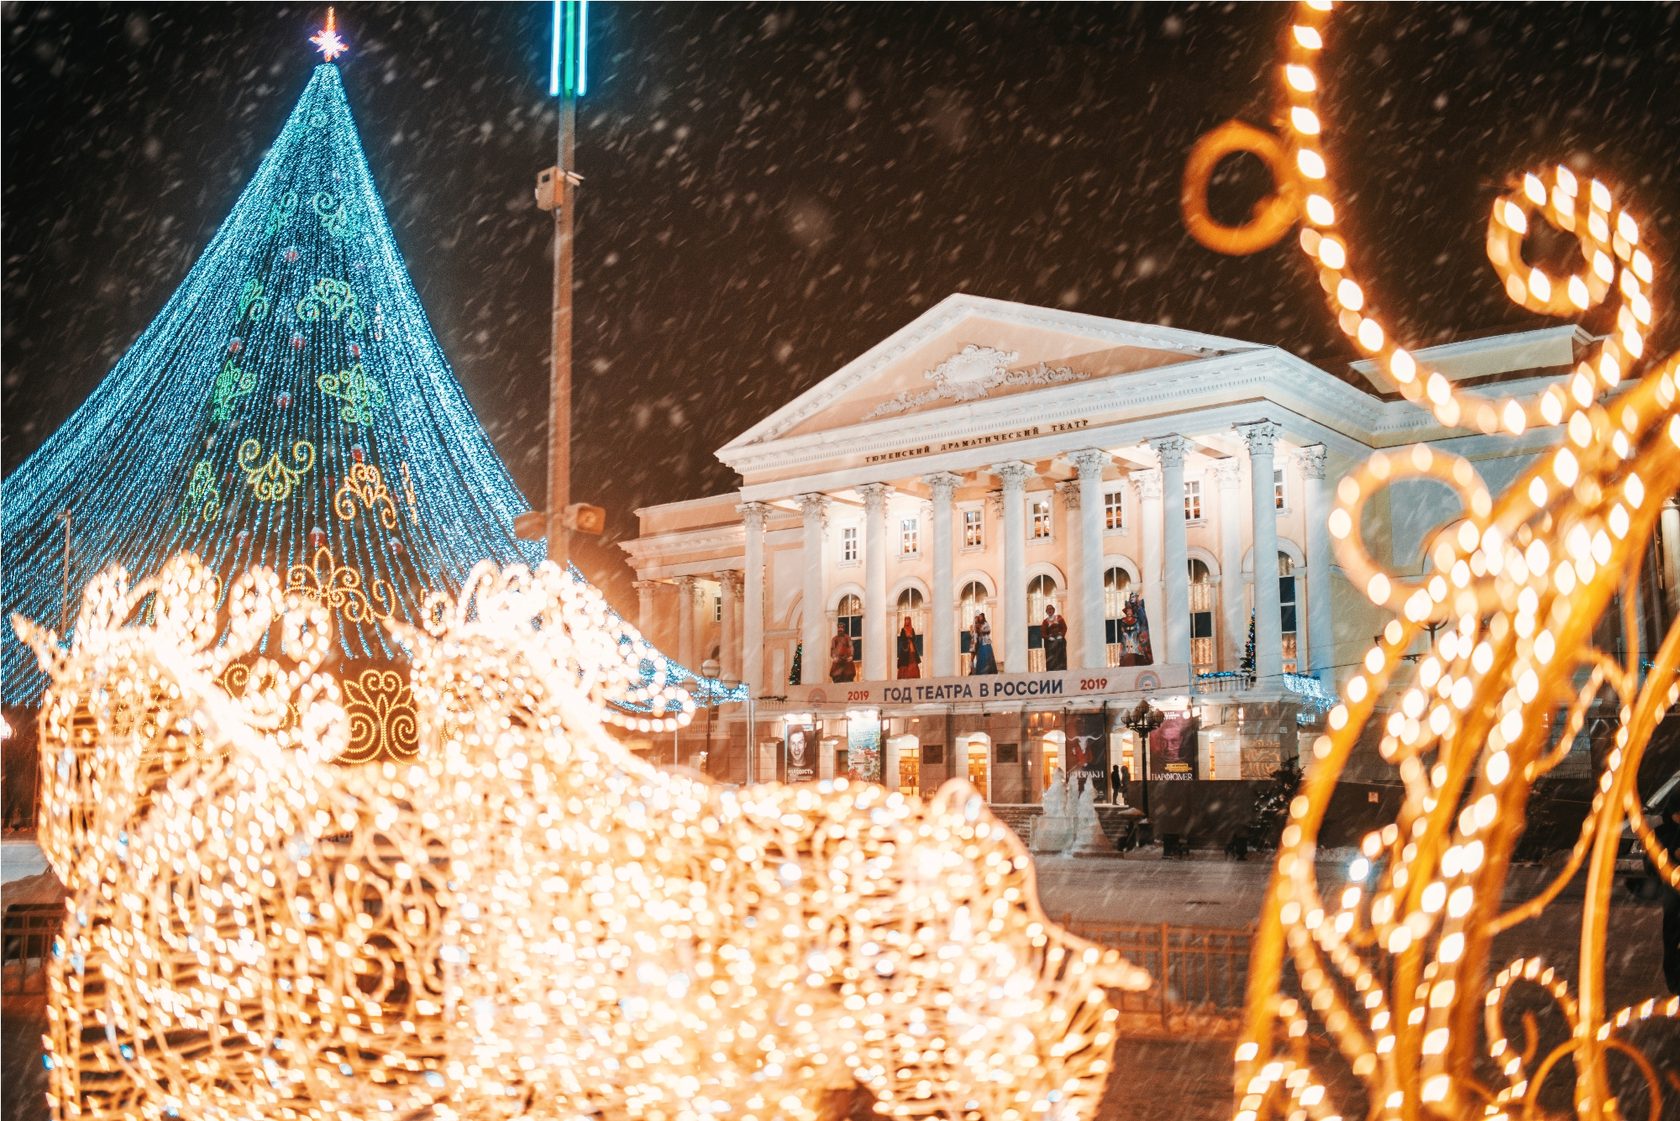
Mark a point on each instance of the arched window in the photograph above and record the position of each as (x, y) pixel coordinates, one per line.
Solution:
(1117, 584)
(1204, 642)
(851, 613)
(1286, 609)
(970, 603)
(1041, 593)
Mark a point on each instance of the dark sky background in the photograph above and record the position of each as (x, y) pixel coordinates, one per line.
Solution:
(770, 189)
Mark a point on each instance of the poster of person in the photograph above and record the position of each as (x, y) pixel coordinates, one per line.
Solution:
(1133, 634)
(801, 753)
(1172, 748)
(1087, 751)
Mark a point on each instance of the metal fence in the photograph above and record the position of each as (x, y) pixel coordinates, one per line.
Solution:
(27, 931)
(1200, 972)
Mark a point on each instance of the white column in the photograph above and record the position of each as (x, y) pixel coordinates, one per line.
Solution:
(874, 667)
(1067, 600)
(942, 620)
(814, 634)
(1175, 559)
(752, 622)
(1149, 524)
(1268, 617)
(1014, 606)
(729, 656)
(1092, 645)
(644, 607)
(1321, 630)
(685, 622)
(1233, 598)
(1669, 526)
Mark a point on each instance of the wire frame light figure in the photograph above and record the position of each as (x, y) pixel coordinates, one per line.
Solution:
(527, 920)
(1393, 962)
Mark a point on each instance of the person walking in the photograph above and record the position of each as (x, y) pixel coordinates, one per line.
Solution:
(985, 662)
(909, 661)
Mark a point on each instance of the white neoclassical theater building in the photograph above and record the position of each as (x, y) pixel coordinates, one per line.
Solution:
(1162, 490)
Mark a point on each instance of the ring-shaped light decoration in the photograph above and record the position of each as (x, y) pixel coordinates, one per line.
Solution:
(1610, 240)
(1271, 217)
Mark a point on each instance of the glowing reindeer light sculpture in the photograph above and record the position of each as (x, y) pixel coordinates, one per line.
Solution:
(1393, 963)
(527, 920)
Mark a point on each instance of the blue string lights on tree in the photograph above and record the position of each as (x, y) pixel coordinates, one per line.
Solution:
(289, 407)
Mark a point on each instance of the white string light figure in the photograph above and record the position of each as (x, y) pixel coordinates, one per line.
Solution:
(1392, 962)
(525, 921)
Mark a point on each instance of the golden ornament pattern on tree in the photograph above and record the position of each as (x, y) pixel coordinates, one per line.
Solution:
(339, 587)
(366, 485)
(1393, 961)
(490, 930)
(357, 390)
(383, 721)
(271, 480)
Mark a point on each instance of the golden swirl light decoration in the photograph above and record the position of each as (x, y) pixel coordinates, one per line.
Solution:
(270, 480)
(366, 485)
(1393, 962)
(529, 920)
(382, 718)
(340, 587)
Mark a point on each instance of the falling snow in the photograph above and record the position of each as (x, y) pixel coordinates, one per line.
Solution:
(770, 190)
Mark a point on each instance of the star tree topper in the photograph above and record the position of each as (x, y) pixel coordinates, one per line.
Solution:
(327, 40)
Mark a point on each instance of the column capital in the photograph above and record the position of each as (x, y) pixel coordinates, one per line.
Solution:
(644, 585)
(754, 514)
(1068, 492)
(1312, 461)
(1228, 473)
(874, 497)
(1090, 462)
(1261, 436)
(943, 481)
(815, 505)
(685, 585)
(729, 580)
(1148, 483)
(1014, 474)
(1170, 449)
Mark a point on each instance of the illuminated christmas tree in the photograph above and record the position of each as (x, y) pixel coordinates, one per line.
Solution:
(289, 407)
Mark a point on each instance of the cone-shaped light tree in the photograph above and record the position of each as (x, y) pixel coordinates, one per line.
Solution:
(289, 407)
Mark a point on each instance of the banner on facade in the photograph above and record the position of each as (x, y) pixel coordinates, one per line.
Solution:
(1008, 687)
(800, 758)
(1172, 748)
(863, 746)
(1087, 751)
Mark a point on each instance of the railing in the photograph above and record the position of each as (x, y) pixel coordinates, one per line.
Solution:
(1200, 972)
(27, 931)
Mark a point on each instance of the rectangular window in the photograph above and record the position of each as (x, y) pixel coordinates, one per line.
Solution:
(1192, 500)
(909, 537)
(717, 609)
(849, 544)
(1277, 489)
(1114, 511)
(974, 529)
(1041, 519)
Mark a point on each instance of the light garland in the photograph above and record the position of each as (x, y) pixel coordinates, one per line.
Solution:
(528, 920)
(1393, 965)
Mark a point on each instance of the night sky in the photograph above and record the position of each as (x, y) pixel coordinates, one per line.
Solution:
(769, 190)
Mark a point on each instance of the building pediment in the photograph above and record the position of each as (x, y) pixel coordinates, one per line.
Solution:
(968, 349)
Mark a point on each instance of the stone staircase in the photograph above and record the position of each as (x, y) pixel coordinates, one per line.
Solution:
(1019, 818)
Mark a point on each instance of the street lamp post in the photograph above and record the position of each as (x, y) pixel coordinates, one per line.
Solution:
(1143, 720)
(709, 670)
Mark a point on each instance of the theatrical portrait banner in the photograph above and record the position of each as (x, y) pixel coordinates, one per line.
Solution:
(1087, 751)
(801, 755)
(1172, 748)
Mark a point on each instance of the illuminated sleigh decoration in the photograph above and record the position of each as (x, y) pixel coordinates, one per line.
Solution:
(1393, 962)
(527, 921)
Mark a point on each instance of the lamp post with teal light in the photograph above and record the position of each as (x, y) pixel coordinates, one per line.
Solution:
(568, 78)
